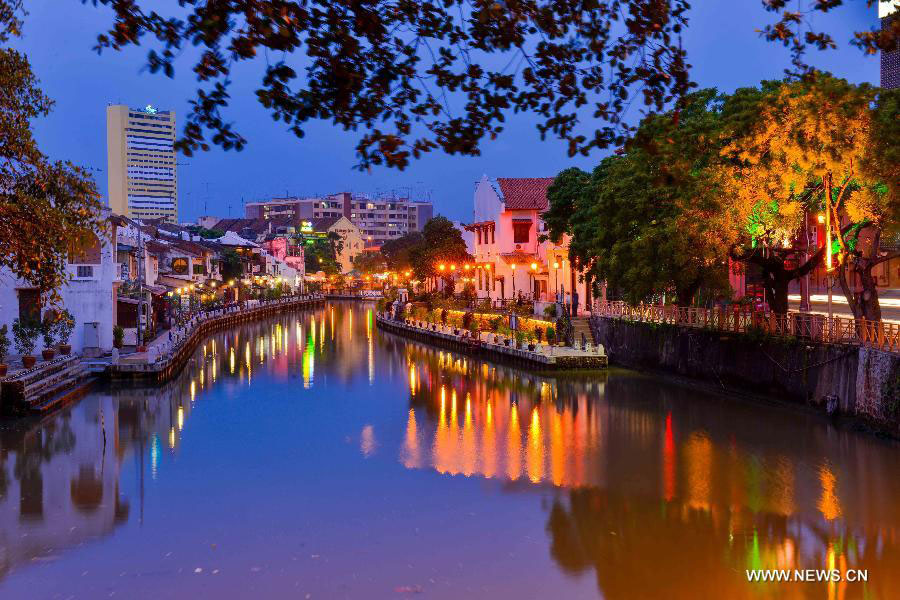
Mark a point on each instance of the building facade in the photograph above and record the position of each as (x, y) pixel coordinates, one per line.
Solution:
(511, 261)
(890, 59)
(378, 220)
(142, 166)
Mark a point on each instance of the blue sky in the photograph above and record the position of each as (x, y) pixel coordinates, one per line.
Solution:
(722, 43)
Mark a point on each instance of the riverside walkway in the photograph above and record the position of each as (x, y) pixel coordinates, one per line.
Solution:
(168, 353)
(499, 348)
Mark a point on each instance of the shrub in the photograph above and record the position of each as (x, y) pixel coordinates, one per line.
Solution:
(48, 328)
(65, 325)
(25, 334)
(443, 316)
(551, 335)
(539, 334)
(467, 320)
(495, 324)
(4, 343)
(118, 336)
(550, 311)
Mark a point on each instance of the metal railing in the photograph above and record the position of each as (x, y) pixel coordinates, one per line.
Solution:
(839, 330)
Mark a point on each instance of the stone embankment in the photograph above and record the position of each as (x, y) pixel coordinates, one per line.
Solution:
(845, 380)
(543, 356)
(164, 361)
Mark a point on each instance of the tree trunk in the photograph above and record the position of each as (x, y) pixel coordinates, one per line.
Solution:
(684, 296)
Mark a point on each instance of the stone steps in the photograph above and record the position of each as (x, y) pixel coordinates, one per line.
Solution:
(43, 387)
(580, 325)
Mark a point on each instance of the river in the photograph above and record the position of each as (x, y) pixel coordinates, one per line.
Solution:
(313, 456)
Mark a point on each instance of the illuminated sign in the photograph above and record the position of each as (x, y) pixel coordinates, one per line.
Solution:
(180, 265)
(150, 110)
(306, 227)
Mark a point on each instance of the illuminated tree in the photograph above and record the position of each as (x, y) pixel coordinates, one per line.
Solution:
(800, 146)
(442, 243)
(650, 221)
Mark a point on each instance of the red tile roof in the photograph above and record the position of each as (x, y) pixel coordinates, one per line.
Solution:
(525, 193)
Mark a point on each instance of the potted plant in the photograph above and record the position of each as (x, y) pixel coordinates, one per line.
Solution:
(551, 335)
(530, 337)
(118, 336)
(443, 316)
(520, 339)
(539, 334)
(25, 334)
(4, 349)
(48, 333)
(65, 324)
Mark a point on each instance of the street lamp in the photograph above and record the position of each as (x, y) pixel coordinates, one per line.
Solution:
(513, 267)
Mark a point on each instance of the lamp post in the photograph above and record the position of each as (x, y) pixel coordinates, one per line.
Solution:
(556, 279)
(513, 267)
(533, 280)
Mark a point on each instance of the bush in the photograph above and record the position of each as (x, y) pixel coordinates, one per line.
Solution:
(25, 334)
(118, 336)
(4, 343)
(550, 311)
(48, 329)
(443, 316)
(551, 335)
(467, 320)
(495, 324)
(65, 325)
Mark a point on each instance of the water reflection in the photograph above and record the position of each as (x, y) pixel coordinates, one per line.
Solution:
(663, 492)
(650, 489)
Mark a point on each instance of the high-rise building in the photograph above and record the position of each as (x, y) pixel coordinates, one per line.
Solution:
(890, 59)
(379, 219)
(141, 162)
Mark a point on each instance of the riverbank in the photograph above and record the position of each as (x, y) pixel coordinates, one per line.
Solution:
(542, 356)
(854, 382)
(168, 360)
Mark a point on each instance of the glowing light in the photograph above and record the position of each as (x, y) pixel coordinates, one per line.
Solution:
(555, 265)
(513, 266)
(180, 418)
(534, 266)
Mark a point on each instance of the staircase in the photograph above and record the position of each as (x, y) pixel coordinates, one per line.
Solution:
(45, 387)
(580, 326)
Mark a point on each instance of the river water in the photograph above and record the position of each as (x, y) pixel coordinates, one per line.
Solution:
(313, 456)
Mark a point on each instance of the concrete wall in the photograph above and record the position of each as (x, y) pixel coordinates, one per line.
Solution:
(860, 382)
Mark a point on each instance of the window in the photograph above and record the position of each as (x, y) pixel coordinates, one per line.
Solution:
(492, 235)
(85, 271)
(199, 269)
(521, 232)
(479, 236)
(29, 304)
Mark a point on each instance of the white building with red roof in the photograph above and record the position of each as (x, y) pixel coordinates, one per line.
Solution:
(511, 260)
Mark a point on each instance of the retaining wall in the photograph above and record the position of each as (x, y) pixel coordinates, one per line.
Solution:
(849, 380)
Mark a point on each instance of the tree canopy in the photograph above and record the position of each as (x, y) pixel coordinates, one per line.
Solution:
(48, 209)
(417, 75)
(738, 176)
(441, 243)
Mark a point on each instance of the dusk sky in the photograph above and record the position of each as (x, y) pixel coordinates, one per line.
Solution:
(722, 45)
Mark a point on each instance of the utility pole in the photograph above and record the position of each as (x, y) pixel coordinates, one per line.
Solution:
(141, 259)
